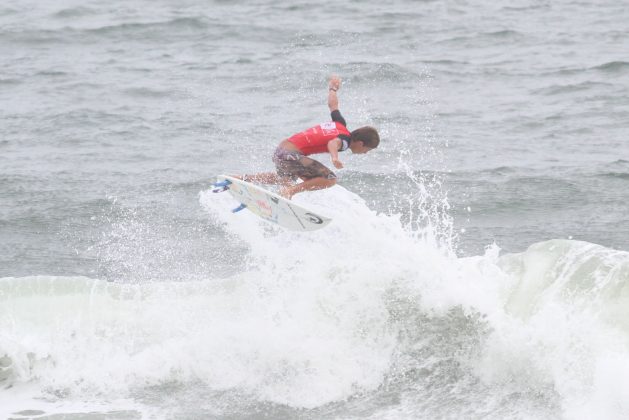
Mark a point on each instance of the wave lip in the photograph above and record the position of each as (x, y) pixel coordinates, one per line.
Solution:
(564, 327)
(574, 272)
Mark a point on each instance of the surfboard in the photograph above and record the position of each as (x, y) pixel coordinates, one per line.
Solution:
(270, 206)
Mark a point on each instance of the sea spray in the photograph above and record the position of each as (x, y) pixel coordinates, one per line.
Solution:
(304, 313)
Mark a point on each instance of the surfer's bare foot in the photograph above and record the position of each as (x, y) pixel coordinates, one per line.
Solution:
(286, 192)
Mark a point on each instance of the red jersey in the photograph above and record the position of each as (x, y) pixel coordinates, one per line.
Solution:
(315, 139)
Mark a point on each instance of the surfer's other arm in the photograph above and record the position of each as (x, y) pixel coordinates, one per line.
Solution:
(334, 146)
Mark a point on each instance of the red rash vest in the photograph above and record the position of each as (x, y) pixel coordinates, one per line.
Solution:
(315, 139)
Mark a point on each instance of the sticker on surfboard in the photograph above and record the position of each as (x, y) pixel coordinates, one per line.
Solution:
(270, 206)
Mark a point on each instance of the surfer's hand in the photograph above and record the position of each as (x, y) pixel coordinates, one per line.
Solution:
(337, 163)
(335, 82)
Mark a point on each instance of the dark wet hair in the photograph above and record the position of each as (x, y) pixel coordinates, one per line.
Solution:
(368, 135)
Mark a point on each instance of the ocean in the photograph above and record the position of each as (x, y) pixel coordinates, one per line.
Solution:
(477, 264)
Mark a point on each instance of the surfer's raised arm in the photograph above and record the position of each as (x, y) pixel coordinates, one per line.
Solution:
(333, 85)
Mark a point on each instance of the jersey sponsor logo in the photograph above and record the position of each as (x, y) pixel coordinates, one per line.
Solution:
(328, 128)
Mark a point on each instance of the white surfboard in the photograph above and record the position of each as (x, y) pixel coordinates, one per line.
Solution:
(272, 207)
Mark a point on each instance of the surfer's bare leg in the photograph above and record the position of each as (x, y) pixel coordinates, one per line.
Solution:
(308, 185)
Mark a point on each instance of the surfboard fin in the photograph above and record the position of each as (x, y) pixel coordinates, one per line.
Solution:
(222, 183)
(240, 207)
(221, 186)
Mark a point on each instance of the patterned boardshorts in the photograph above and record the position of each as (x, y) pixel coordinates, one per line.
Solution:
(293, 165)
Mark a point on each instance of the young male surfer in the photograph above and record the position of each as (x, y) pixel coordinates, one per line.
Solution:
(292, 159)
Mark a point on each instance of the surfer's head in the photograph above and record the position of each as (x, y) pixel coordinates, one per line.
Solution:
(364, 139)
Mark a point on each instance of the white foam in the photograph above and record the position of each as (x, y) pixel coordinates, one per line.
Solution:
(308, 321)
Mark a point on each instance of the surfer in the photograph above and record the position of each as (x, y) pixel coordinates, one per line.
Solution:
(292, 159)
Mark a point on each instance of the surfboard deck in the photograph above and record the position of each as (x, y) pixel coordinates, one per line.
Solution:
(270, 206)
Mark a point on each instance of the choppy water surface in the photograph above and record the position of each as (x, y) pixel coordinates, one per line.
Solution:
(477, 263)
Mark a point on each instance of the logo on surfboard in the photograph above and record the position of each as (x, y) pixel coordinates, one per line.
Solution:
(313, 218)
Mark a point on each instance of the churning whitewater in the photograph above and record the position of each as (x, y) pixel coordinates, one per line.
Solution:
(398, 318)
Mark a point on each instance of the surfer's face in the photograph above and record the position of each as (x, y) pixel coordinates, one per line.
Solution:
(359, 147)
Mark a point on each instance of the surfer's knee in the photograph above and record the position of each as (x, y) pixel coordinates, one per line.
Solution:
(319, 183)
(329, 181)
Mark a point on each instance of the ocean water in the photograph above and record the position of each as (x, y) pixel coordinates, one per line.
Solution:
(477, 265)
